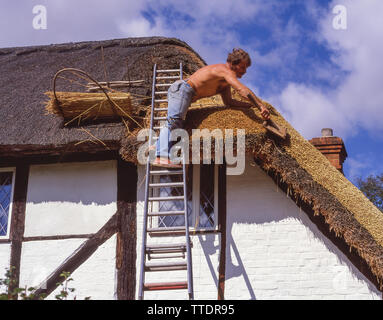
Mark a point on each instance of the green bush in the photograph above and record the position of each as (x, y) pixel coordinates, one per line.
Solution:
(29, 293)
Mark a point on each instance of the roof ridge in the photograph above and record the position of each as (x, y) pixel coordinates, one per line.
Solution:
(96, 44)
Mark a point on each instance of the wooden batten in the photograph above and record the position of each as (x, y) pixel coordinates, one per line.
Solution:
(58, 237)
(127, 231)
(222, 228)
(18, 223)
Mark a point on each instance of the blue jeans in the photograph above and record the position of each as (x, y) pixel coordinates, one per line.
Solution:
(180, 95)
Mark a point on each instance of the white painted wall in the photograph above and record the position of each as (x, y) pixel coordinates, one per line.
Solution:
(95, 278)
(205, 258)
(275, 252)
(5, 257)
(70, 198)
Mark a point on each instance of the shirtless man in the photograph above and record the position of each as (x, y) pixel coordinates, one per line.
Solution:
(206, 82)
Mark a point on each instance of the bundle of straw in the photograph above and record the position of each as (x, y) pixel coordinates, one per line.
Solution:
(89, 106)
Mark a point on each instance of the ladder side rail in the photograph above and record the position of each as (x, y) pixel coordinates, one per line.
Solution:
(188, 248)
(145, 218)
(187, 236)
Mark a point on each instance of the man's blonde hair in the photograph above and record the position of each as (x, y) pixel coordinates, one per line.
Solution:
(238, 55)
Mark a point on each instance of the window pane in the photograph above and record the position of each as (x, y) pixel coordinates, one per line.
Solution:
(5, 200)
(175, 221)
(206, 210)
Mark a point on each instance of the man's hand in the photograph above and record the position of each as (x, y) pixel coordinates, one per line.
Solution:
(265, 113)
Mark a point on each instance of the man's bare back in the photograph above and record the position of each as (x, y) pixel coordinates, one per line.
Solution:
(209, 81)
(206, 82)
(218, 78)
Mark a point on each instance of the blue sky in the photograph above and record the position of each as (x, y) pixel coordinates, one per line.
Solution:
(316, 75)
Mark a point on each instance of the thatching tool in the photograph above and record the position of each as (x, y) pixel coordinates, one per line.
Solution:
(269, 124)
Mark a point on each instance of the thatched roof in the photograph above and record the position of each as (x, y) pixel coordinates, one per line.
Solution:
(306, 175)
(27, 73)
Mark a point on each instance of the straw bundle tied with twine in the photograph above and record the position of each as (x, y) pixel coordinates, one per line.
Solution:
(80, 106)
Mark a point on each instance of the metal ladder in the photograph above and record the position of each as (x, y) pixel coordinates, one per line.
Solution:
(162, 251)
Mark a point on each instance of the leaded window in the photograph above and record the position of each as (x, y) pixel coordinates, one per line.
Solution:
(6, 190)
(202, 198)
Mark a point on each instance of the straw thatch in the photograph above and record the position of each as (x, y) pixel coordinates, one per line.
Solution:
(89, 106)
(27, 73)
(306, 172)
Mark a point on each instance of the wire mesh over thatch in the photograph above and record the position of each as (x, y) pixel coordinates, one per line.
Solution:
(78, 106)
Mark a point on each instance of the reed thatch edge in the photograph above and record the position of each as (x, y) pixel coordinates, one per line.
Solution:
(341, 221)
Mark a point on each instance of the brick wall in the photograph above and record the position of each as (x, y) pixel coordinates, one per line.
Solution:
(333, 148)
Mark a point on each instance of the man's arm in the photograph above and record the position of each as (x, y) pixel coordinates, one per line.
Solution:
(244, 92)
(229, 101)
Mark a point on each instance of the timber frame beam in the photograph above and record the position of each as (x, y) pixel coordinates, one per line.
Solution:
(18, 223)
(78, 257)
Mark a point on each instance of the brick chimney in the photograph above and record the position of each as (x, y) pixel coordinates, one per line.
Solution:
(332, 147)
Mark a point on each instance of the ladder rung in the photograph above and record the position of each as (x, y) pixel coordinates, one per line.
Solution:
(162, 246)
(166, 172)
(163, 84)
(160, 118)
(166, 266)
(166, 184)
(157, 128)
(160, 109)
(170, 229)
(182, 256)
(161, 92)
(169, 70)
(166, 198)
(168, 77)
(160, 100)
(165, 286)
(166, 213)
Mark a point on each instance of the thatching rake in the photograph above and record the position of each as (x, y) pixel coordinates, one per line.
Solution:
(269, 124)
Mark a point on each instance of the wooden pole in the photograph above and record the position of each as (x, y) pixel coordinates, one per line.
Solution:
(18, 224)
(127, 232)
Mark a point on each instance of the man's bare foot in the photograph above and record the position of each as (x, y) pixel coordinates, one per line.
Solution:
(165, 162)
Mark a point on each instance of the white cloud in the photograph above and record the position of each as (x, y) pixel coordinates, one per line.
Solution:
(227, 11)
(67, 21)
(204, 25)
(355, 103)
(207, 26)
(309, 110)
(139, 27)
